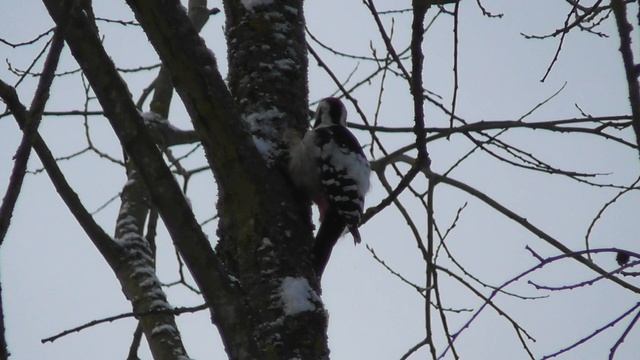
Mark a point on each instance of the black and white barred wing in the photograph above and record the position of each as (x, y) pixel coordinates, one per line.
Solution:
(344, 171)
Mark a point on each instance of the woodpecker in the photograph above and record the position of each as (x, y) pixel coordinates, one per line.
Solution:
(328, 165)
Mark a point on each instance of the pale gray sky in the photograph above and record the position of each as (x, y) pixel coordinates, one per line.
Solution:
(53, 278)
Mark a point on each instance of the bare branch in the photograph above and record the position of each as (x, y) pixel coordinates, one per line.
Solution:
(454, 98)
(28, 42)
(563, 33)
(97, 235)
(340, 53)
(33, 117)
(418, 288)
(120, 22)
(619, 8)
(385, 37)
(33, 63)
(165, 192)
(590, 282)
(413, 349)
(174, 311)
(620, 340)
(527, 225)
(487, 301)
(593, 334)
(602, 210)
(487, 13)
(587, 12)
(135, 343)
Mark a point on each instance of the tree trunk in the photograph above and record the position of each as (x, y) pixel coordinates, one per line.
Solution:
(259, 285)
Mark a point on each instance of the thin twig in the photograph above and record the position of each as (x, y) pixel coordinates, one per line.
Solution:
(542, 263)
(417, 287)
(120, 22)
(602, 210)
(33, 63)
(443, 316)
(455, 61)
(612, 352)
(106, 203)
(28, 42)
(487, 301)
(579, 19)
(533, 229)
(593, 334)
(583, 283)
(559, 48)
(97, 235)
(487, 13)
(174, 311)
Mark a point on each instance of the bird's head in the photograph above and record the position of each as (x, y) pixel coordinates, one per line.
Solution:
(330, 111)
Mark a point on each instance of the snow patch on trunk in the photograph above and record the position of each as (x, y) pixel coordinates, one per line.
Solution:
(262, 125)
(297, 296)
(164, 328)
(250, 4)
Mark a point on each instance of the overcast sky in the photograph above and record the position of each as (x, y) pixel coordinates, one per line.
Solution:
(54, 279)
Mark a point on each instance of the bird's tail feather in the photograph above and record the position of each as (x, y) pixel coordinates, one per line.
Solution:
(330, 231)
